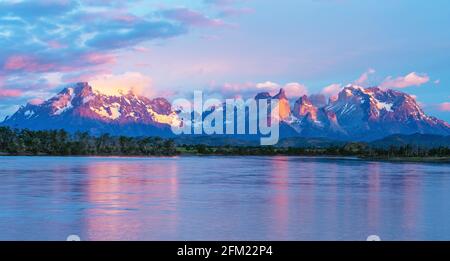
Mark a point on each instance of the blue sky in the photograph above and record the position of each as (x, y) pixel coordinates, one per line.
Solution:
(169, 48)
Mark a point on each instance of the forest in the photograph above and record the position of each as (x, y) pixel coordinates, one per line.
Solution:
(62, 143)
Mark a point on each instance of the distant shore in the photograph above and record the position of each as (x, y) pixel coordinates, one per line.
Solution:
(187, 154)
(410, 159)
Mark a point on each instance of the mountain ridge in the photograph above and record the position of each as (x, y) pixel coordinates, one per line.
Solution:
(356, 113)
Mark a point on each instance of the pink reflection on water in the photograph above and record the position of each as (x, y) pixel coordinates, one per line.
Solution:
(127, 198)
(373, 197)
(411, 185)
(307, 203)
(280, 183)
(332, 200)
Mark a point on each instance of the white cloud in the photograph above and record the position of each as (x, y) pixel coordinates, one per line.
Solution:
(292, 89)
(412, 79)
(53, 79)
(295, 89)
(332, 90)
(268, 86)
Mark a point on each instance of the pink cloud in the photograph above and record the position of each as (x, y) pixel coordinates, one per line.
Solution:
(295, 89)
(26, 63)
(115, 84)
(16, 62)
(444, 106)
(331, 90)
(10, 93)
(364, 77)
(192, 17)
(141, 49)
(36, 101)
(100, 58)
(249, 89)
(31, 64)
(412, 79)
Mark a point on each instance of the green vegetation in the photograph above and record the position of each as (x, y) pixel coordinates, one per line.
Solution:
(59, 142)
(354, 149)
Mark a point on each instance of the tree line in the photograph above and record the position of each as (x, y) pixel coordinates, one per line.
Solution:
(357, 149)
(60, 142)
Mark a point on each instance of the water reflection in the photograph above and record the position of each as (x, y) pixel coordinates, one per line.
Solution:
(129, 199)
(373, 197)
(411, 206)
(279, 181)
(222, 198)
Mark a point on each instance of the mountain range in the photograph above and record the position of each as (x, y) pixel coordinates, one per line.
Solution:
(80, 108)
(356, 114)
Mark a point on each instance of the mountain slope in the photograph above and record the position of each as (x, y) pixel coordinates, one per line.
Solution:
(374, 113)
(356, 114)
(79, 108)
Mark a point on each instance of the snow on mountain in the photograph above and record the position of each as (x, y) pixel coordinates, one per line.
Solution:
(356, 113)
(374, 113)
(359, 113)
(79, 107)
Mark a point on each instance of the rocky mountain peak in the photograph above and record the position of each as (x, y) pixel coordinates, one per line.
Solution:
(357, 113)
(281, 95)
(304, 107)
(263, 95)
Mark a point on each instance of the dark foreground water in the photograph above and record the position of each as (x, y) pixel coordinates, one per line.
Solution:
(222, 198)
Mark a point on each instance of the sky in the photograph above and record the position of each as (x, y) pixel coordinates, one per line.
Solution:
(225, 47)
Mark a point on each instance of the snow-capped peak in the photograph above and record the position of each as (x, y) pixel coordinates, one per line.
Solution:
(356, 113)
(81, 100)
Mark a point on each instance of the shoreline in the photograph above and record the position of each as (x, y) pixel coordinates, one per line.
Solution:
(443, 160)
(410, 159)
